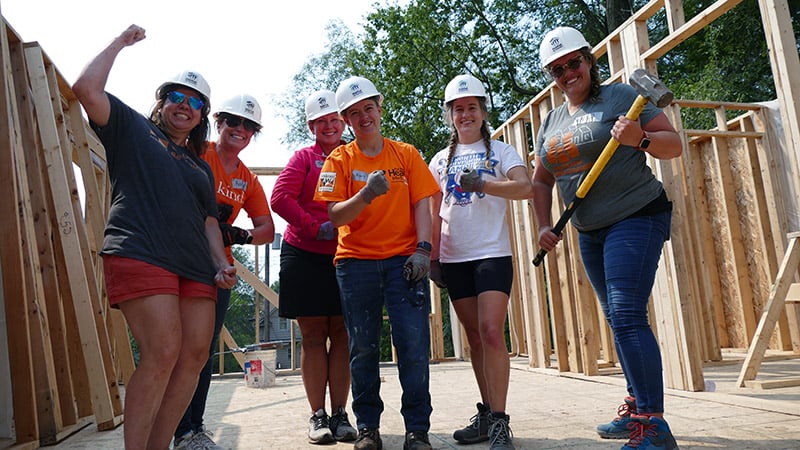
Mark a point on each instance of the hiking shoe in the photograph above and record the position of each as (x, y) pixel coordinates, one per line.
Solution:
(478, 428)
(618, 428)
(500, 433)
(649, 433)
(417, 440)
(340, 426)
(368, 439)
(319, 431)
(184, 442)
(202, 440)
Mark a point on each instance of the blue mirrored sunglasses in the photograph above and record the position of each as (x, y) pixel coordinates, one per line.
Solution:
(178, 97)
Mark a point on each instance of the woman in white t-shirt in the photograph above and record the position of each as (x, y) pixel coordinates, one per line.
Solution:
(472, 249)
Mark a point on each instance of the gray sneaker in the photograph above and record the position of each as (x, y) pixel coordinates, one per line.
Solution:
(184, 442)
(341, 428)
(478, 428)
(500, 433)
(319, 431)
(202, 440)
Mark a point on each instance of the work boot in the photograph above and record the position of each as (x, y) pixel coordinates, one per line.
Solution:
(618, 428)
(417, 440)
(368, 439)
(649, 433)
(341, 428)
(500, 435)
(478, 428)
(319, 431)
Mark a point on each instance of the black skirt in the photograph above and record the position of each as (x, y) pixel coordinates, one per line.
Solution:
(308, 285)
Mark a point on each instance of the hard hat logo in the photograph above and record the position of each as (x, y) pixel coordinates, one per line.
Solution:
(355, 91)
(555, 44)
(250, 108)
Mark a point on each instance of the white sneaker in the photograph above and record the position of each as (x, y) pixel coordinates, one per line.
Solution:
(319, 431)
(200, 440)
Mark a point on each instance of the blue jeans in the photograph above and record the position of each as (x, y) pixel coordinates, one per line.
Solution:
(367, 286)
(621, 262)
(192, 419)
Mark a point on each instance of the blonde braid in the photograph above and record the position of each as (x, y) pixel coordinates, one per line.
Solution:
(452, 152)
(487, 141)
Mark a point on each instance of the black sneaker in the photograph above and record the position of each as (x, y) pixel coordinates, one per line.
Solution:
(368, 439)
(478, 428)
(319, 431)
(341, 428)
(417, 440)
(500, 433)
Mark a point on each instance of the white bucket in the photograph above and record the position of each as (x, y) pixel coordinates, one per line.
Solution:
(259, 368)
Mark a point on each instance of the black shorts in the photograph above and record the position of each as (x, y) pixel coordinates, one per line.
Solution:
(308, 285)
(468, 279)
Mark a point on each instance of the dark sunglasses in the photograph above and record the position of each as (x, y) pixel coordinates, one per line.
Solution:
(178, 98)
(559, 71)
(235, 121)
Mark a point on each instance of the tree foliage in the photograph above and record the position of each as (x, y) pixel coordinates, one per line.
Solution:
(411, 51)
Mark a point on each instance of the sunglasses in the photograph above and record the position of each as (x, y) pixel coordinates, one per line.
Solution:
(558, 71)
(235, 121)
(178, 98)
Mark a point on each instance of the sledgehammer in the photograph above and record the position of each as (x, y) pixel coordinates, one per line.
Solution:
(650, 89)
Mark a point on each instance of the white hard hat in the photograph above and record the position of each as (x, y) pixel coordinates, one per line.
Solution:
(188, 78)
(320, 103)
(560, 41)
(354, 89)
(244, 106)
(463, 86)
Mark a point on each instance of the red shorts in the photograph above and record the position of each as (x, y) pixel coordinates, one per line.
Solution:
(128, 278)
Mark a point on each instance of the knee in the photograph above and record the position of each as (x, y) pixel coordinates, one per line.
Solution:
(492, 336)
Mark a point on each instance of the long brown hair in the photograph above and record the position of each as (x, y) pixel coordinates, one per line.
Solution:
(594, 75)
(198, 137)
(486, 134)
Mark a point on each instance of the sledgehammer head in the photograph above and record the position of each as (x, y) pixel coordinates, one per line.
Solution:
(651, 87)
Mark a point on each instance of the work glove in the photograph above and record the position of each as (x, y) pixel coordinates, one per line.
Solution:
(417, 265)
(326, 232)
(377, 185)
(436, 274)
(234, 235)
(471, 180)
(224, 212)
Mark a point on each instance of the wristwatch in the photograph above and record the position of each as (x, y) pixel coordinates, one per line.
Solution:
(645, 142)
(425, 245)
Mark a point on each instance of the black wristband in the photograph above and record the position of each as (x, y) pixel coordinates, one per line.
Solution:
(425, 245)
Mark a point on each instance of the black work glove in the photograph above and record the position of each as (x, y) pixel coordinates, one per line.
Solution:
(436, 274)
(471, 181)
(224, 212)
(377, 185)
(234, 235)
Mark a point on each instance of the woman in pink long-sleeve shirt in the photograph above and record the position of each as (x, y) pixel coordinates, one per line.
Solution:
(309, 244)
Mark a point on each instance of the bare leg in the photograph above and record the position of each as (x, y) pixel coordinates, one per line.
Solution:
(467, 312)
(492, 309)
(197, 324)
(314, 359)
(338, 363)
(155, 324)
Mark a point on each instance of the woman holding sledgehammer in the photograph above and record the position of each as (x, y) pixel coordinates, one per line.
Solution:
(622, 222)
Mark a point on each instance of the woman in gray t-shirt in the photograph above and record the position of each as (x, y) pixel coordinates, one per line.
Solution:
(623, 220)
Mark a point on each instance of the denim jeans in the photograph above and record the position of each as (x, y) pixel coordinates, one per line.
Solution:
(366, 286)
(192, 419)
(621, 262)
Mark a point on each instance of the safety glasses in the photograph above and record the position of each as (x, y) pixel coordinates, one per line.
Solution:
(558, 71)
(178, 98)
(235, 121)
